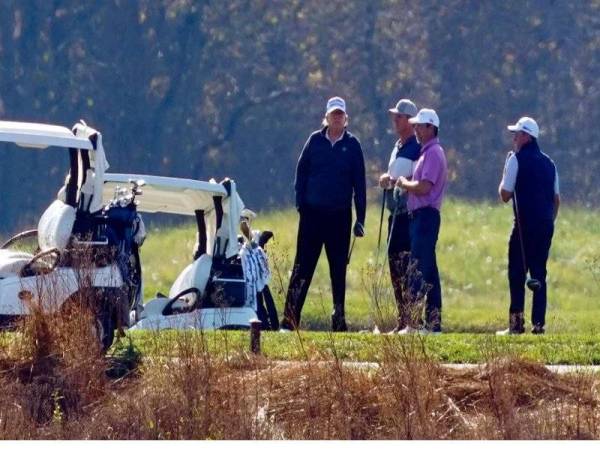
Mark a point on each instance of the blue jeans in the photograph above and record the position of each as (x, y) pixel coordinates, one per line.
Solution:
(424, 231)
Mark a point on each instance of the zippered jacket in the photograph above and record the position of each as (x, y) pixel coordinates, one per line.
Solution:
(329, 176)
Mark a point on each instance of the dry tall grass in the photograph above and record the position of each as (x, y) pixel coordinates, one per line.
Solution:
(68, 393)
(57, 384)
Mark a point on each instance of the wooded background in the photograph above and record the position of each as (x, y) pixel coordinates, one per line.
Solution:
(233, 88)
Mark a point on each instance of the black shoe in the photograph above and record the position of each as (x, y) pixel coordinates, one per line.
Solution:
(432, 327)
(286, 325)
(338, 324)
(437, 329)
(538, 329)
(516, 325)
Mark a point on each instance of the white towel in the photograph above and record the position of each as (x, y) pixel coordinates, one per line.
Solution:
(256, 272)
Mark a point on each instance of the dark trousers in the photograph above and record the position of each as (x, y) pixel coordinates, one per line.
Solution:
(536, 242)
(398, 257)
(424, 230)
(319, 228)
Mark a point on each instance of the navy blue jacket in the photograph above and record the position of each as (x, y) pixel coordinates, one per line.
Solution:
(327, 176)
(534, 188)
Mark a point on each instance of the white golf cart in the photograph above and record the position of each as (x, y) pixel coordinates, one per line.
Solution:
(83, 251)
(225, 285)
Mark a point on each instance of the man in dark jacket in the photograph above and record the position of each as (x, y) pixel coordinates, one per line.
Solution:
(330, 172)
(530, 179)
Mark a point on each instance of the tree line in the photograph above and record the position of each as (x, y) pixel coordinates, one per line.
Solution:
(207, 89)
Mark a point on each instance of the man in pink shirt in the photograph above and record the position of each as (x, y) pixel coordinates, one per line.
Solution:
(425, 195)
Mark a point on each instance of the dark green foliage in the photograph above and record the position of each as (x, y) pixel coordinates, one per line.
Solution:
(211, 89)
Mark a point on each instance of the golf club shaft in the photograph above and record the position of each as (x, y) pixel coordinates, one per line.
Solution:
(381, 219)
(351, 248)
(387, 247)
(520, 233)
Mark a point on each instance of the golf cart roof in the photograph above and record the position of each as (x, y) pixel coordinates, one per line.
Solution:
(40, 136)
(165, 194)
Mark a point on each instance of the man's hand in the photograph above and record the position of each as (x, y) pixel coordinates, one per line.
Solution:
(386, 181)
(402, 182)
(359, 229)
(417, 187)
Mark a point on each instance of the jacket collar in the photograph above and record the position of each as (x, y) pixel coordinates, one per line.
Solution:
(530, 146)
(345, 133)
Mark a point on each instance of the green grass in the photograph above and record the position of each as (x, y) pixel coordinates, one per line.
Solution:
(445, 348)
(471, 252)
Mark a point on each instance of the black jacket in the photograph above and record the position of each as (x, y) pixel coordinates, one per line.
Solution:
(327, 176)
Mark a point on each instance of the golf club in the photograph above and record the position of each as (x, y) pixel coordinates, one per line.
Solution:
(531, 283)
(397, 193)
(351, 248)
(380, 226)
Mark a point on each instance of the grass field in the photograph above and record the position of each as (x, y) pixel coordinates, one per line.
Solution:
(446, 348)
(471, 252)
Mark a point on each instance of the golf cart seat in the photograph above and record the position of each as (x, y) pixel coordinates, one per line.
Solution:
(54, 232)
(190, 285)
(11, 262)
(55, 226)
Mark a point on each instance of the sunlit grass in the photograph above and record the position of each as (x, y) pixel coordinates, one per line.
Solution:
(472, 257)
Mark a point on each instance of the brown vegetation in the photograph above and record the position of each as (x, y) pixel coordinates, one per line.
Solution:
(58, 384)
(60, 388)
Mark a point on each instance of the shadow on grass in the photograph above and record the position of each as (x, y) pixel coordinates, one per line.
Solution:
(124, 360)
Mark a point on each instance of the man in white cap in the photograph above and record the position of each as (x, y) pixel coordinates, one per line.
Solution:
(425, 195)
(405, 153)
(330, 173)
(530, 179)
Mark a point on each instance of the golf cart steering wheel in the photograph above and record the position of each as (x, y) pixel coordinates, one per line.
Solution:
(19, 237)
(28, 270)
(168, 309)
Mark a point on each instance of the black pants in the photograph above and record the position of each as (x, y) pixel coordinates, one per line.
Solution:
(319, 228)
(424, 231)
(398, 257)
(536, 242)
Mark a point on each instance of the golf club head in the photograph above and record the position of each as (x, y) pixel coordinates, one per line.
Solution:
(533, 284)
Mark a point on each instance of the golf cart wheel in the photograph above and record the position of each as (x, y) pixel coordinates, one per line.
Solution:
(105, 330)
(101, 319)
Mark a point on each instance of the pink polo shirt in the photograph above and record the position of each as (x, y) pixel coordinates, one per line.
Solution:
(430, 166)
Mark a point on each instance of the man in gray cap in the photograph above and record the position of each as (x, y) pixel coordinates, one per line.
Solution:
(404, 154)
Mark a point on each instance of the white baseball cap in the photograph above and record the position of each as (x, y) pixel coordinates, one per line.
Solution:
(404, 106)
(335, 103)
(426, 116)
(527, 125)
